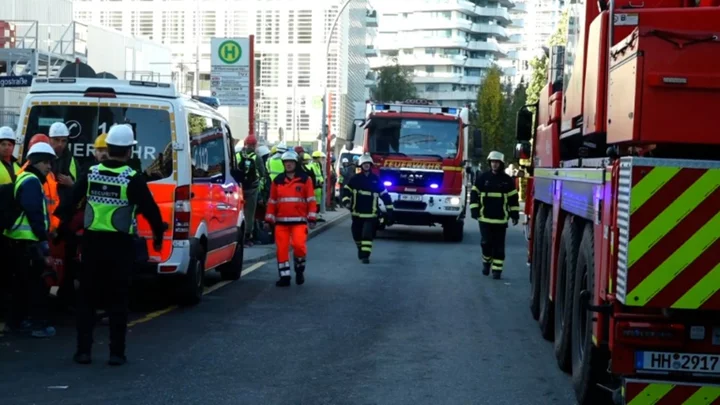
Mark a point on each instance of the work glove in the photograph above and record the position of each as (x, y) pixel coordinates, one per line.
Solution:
(312, 224)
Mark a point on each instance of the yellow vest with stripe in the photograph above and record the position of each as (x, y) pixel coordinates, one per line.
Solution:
(73, 169)
(21, 229)
(317, 169)
(5, 177)
(108, 208)
(275, 166)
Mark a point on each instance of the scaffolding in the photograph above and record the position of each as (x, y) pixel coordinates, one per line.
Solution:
(42, 50)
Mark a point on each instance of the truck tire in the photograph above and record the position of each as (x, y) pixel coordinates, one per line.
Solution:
(192, 285)
(564, 287)
(537, 237)
(453, 231)
(232, 270)
(546, 309)
(588, 363)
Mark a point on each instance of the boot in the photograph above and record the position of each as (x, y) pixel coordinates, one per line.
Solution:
(486, 269)
(283, 282)
(82, 358)
(299, 270)
(365, 260)
(117, 360)
(496, 274)
(299, 278)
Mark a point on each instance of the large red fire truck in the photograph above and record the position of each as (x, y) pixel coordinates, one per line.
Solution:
(624, 202)
(420, 149)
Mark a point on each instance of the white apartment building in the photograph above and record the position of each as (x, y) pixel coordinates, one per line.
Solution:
(449, 44)
(290, 37)
(543, 19)
(517, 65)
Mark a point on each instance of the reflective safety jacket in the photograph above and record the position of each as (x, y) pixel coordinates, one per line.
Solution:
(318, 171)
(51, 196)
(108, 208)
(494, 198)
(33, 223)
(363, 191)
(246, 163)
(5, 176)
(275, 167)
(292, 200)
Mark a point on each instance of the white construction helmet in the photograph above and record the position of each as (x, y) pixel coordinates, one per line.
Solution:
(7, 134)
(238, 147)
(42, 148)
(289, 155)
(365, 159)
(495, 155)
(281, 147)
(58, 130)
(344, 160)
(263, 151)
(121, 135)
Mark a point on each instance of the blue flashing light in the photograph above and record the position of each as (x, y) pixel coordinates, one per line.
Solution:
(434, 186)
(452, 111)
(387, 184)
(379, 107)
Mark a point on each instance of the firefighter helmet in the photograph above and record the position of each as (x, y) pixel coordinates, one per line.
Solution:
(365, 159)
(289, 155)
(495, 155)
(281, 147)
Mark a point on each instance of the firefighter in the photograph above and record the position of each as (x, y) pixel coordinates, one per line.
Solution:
(251, 165)
(275, 164)
(114, 194)
(8, 164)
(360, 196)
(291, 208)
(28, 249)
(494, 201)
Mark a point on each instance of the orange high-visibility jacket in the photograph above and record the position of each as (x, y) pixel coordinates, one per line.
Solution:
(292, 201)
(51, 195)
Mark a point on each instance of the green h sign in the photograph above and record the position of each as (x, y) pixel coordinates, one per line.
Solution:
(229, 52)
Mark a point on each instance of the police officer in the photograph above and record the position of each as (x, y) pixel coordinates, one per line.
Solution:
(114, 194)
(360, 196)
(494, 201)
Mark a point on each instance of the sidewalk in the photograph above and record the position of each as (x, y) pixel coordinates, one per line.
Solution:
(259, 253)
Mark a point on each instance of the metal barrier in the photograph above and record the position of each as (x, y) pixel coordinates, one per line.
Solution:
(9, 118)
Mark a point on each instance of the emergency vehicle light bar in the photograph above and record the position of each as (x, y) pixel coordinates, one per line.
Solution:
(401, 108)
(81, 85)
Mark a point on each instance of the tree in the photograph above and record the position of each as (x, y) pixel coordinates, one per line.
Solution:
(394, 84)
(516, 101)
(539, 66)
(491, 108)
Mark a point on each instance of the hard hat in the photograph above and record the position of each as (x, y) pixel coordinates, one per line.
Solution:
(495, 155)
(238, 147)
(355, 159)
(121, 135)
(263, 150)
(38, 138)
(317, 154)
(289, 155)
(282, 147)
(101, 141)
(42, 148)
(250, 141)
(306, 156)
(273, 150)
(7, 134)
(58, 130)
(344, 160)
(365, 159)
(299, 150)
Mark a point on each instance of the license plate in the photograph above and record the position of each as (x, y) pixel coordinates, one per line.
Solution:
(407, 197)
(693, 363)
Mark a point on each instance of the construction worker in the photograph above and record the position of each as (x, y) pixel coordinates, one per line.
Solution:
(275, 164)
(251, 165)
(306, 165)
(50, 187)
(360, 196)
(8, 164)
(100, 148)
(28, 249)
(494, 201)
(114, 194)
(291, 208)
(317, 169)
(65, 168)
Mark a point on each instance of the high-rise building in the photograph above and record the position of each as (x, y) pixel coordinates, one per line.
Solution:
(448, 44)
(517, 65)
(543, 19)
(291, 41)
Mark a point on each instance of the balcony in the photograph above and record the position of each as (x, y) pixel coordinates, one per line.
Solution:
(422, 77)
(371, 19)
(491, 29)
(515, 39)
(370, 51)
(517, 23)
(477, 63)
(449, 95)
(431, 59)
(416, 24)
(495, 12)
(519, 8)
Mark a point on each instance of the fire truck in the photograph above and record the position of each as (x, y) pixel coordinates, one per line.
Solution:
(420, 149)
(624, 202)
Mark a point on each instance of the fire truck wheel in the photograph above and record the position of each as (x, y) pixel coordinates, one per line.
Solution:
(545, 319)
(535, 265)
(232, 270)
(193, 283)
(564, 286)
(587, 360)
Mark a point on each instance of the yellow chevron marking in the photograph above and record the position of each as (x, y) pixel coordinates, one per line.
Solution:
(676, 263)
(651, 394)
(701, 292)
(649, 185)
(704, 396)
(672, 215)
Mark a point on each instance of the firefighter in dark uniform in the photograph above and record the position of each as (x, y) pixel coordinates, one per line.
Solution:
(115, 194)
(494, 201)
(360, 197)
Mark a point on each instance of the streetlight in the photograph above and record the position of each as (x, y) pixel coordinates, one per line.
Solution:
(324, 126)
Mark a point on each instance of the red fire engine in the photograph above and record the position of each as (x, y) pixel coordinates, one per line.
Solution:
(624, 202)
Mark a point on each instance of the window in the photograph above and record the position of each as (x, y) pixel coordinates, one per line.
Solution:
(151, 127)
(207, 149)
(415, 137)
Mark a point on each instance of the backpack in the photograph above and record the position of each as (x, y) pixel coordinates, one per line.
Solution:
(9, 208)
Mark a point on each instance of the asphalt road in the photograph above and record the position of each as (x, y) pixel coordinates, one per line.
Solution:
(419, 325)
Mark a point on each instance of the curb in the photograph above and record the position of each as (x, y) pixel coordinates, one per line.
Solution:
(317, 231)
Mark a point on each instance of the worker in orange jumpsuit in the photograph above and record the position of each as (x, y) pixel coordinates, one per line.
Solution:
(291, 208)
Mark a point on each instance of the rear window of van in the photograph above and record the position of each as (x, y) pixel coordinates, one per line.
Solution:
(152, 130)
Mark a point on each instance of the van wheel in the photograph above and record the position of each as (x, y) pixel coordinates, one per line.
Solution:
(193, 284)
(453, 231)
(545, 317)
(536, 264)
(232, 270)
(564, 286)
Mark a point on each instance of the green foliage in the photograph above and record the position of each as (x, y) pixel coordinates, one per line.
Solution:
(394, 84)
(539, 66)
(492, 108)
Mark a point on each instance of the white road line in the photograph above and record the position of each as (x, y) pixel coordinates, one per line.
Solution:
(253, 268)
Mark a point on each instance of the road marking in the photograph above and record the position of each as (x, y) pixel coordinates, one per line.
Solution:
(253, 268)
(152, 315)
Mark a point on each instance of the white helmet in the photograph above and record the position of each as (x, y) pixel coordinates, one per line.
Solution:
(344, 160)
(495, 155)
(263, 151)
(7, 134)
(289, 155)
(281, 147)
(58, 130)
(121, 135)
(41, 147)
(365, 159)
(238, 147)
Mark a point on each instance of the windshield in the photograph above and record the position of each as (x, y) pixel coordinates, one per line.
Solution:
(151, 127)
(413, 137)
(349, 156)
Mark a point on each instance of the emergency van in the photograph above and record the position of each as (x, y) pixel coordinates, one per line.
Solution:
(185, 151)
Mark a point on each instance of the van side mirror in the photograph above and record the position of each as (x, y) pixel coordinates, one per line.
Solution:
(522, 150)
(524, 124)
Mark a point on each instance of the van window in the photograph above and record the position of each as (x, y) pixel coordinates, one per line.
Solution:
(207, 149)
(152, 128)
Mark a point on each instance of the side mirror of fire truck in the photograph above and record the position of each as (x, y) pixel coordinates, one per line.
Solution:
(522, 151)
(524, 124)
